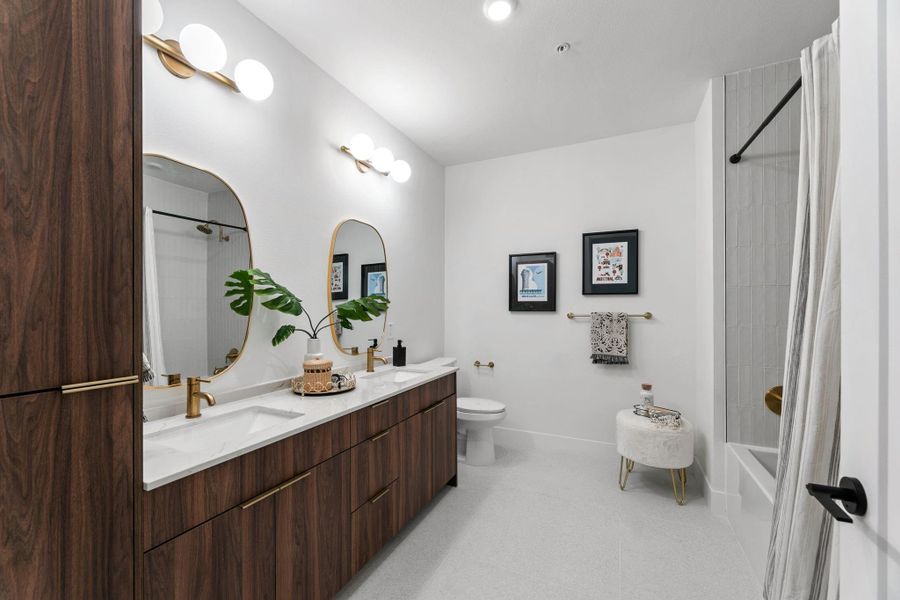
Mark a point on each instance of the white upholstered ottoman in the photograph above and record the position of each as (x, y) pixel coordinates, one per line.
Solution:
(639, 440)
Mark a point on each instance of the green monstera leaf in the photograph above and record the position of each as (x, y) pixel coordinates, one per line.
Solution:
(361, 309)
(247, 282)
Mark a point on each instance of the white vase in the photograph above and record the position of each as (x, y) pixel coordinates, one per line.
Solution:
(313, 349)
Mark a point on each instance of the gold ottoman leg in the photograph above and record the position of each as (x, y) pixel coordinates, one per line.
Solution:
(682, 475)
(628, 467)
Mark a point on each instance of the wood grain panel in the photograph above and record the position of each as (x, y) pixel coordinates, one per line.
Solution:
(373, 525)
(98, 504)
(313, 533)
(31, 440)
(97, 231)
(66, 495)
(172, 509)
(34, 167)
(419, 398)
(374, 464)
(374, 419)
(229, 557)
(416, 451)
(444, 458)
(274, 464)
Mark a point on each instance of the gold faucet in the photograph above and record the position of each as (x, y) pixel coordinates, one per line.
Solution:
(193, 397)
(371, 358)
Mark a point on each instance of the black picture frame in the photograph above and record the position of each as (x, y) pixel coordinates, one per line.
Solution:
(628, 263)
(344, 261)
(519, 304)
(365, 270)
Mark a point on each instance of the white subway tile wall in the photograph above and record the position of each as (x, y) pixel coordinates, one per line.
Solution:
(760, 207)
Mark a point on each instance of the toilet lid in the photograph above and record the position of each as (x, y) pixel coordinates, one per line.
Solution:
(479, 406)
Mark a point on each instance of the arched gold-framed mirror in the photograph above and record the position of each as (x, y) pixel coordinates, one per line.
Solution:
(195, 235)
(357, 267)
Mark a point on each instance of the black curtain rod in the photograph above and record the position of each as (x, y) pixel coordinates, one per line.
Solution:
(196, 220)
(736, 158)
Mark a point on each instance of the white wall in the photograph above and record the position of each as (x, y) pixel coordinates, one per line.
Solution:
(544, 201)
(709, 416)
(281, 158)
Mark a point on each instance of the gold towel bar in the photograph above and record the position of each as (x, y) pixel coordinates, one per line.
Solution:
(646, 315)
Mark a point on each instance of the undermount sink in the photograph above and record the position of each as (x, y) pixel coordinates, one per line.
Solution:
(200, 434)
(396, 375)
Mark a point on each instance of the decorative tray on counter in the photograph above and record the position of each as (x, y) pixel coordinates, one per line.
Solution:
(342, 380)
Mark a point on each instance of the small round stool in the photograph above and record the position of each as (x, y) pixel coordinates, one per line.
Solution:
(639, 440)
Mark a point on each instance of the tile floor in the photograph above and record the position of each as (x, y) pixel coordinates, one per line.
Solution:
(548, 525)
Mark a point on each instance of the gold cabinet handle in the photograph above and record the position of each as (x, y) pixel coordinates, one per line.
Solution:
(380, 495)
(380, 404)
(296, 479)
(275, 490)
(479, 364)
(75, 388)
(260, 498)
(433, 407)
(380, 435)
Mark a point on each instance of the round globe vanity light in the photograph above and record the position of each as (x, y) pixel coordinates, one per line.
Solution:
(361, 146)
(203, 47)
(401, 171)
(499, 10)
(151, 16)
(254, 79)
(382, 159)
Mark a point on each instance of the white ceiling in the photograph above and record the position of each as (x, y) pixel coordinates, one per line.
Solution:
(466, 89)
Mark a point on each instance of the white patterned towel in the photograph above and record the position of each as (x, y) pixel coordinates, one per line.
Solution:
(609, 338)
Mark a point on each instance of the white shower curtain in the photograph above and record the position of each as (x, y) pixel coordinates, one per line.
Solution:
(153, 345)
(800, 548)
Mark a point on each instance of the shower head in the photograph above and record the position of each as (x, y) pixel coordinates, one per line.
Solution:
(204, 228)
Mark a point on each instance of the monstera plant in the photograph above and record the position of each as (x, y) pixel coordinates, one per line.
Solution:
(247, 283)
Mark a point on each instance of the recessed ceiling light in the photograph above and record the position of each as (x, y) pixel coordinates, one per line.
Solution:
(499, 10)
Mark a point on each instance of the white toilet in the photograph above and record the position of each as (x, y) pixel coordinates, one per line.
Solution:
(475, 419)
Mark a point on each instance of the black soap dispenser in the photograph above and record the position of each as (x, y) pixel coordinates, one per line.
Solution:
(399, 355)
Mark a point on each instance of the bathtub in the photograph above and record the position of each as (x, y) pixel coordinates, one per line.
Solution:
(750, 488)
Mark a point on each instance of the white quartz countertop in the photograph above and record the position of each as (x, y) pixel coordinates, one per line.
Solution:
(166, 461)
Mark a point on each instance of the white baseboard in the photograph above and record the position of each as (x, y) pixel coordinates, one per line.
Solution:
(716, 500)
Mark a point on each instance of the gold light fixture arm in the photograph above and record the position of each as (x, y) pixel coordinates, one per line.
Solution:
(363, 166)
(174, 61)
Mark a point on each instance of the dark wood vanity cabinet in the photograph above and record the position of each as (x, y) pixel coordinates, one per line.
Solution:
(230, 556)
(296, 519)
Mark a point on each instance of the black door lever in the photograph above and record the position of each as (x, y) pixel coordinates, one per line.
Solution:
(850, 492)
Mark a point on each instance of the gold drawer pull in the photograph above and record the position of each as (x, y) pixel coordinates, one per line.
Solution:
(380, 495)
(380, 435)
(74, 388)
(260, 498)
(382, 403)
(275, 490)
(296, 479)
(433, 407)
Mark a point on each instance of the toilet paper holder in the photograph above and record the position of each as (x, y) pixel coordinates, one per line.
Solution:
(479, 364)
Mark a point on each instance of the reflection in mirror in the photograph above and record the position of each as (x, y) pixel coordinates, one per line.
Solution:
(358, 268)
(195, 236)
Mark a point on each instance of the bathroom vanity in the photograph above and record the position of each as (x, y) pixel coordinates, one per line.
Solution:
(295, 506)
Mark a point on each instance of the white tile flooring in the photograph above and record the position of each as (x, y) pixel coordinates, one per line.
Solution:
(547, 525)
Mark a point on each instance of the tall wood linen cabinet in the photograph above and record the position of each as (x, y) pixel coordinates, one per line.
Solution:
(70, 298)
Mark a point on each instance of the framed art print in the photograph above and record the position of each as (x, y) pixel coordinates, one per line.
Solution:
(609, 262)
(339, 276)
(532, 282)
(374, 280)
